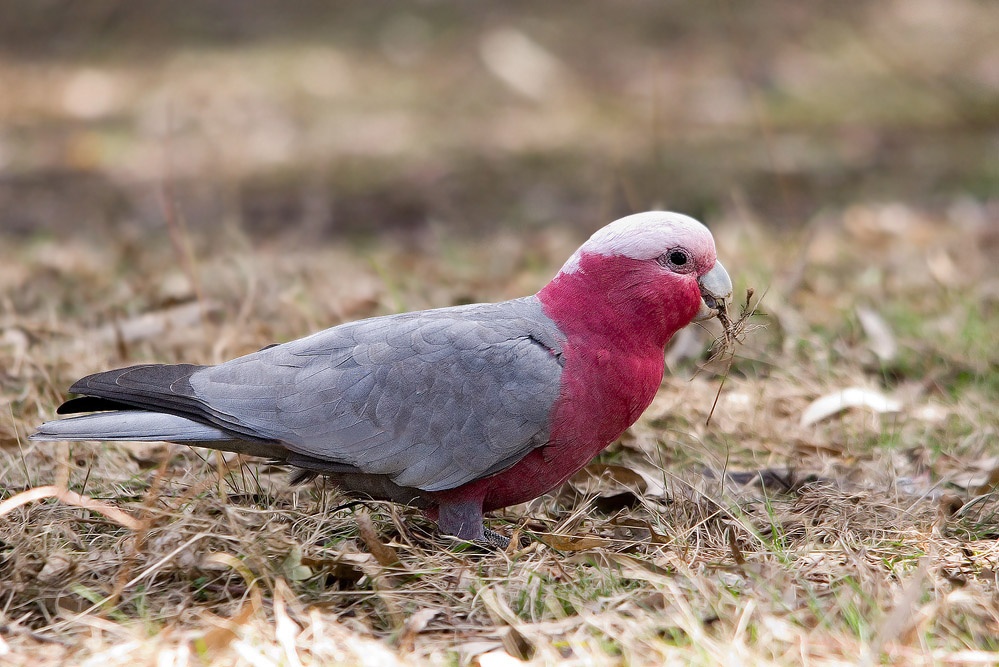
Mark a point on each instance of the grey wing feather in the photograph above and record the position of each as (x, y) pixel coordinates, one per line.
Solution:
(432, 399)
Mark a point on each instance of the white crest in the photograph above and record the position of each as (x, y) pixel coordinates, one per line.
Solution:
(644, 236)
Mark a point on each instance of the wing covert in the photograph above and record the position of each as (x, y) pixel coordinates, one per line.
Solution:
(432, 399)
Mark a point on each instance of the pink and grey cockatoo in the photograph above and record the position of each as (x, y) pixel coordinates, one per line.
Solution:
(458, 411)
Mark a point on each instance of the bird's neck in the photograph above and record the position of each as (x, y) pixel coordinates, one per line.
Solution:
(621, 299)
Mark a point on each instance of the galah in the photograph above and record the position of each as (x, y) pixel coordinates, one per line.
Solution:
(457, 411)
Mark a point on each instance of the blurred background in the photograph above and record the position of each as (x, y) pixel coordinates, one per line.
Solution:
(331, 118)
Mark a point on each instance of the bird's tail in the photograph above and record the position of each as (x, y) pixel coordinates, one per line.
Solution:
(134, 425)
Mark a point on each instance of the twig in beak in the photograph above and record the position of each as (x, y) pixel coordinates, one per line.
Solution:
(734, 332)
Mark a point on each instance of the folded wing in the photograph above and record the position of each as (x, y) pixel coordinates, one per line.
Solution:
(431, 400)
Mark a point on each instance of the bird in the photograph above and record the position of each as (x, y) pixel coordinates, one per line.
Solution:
(457, 411)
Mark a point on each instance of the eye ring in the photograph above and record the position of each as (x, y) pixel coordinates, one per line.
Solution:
(677, 259)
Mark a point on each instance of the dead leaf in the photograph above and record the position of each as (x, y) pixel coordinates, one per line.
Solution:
(70, 498)
(498, 658)
(383, 553)
(629, 567)
(880, 338)
(152, 324)
(943, 268)
(337, 568)
(293, 568)
(844, 399)
(517, 645)
(572, 542)
(286, 631)
(522, 64)
(57, 567)
(900, 621)
(605, 480)
(224, 630)
(733, 545)
(616, 503)
(642, 526)
(416, 624)
(978, 477)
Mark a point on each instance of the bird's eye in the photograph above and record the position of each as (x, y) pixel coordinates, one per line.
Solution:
(676, 259)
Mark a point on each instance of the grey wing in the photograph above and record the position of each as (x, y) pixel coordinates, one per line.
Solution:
(432, 399)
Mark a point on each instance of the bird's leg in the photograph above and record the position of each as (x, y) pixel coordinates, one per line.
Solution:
(462, 519)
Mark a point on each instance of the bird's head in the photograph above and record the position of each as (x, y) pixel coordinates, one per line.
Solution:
(656, 271)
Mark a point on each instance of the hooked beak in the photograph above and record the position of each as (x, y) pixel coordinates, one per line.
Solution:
(716, 290)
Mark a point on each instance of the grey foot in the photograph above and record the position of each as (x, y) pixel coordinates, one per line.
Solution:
(488, 540)
(495, 540)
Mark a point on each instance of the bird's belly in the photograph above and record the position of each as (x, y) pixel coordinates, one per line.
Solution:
(585, 421)
(532, 476)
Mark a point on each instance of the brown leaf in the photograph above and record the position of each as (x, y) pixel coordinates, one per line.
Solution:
(70, 498)
(337, 568)
(383, 553)
(225, 630)
(517, 645)
(629, 567)
(978, 477)
(642, 526)
(616, 502)
(733, 545)
(572, 542)
(416, 624)
(605, 480)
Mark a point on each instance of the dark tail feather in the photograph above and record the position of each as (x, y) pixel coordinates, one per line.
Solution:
(91, 404)
(162, 388)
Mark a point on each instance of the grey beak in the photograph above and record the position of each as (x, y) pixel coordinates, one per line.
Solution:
(716, 290)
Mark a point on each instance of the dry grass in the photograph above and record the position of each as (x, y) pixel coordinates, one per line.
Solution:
(753, 539)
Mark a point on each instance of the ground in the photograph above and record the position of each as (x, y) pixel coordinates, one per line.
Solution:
(176, 192)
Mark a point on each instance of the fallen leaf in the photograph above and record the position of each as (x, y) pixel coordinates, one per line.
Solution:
(70, 498)
(57, 568)
(224, 630)
(293, 568)
(383, 553)
(605, 480)
(152, 324)
(521, 63)
(628, 566)
(517, 645)
(572, 542)
(286, 631)
(844, 399)
(943, 268)
(636, 529)
(880, 338)
(498, 658)
(616, 503)
(416, 624)
(978, 477)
